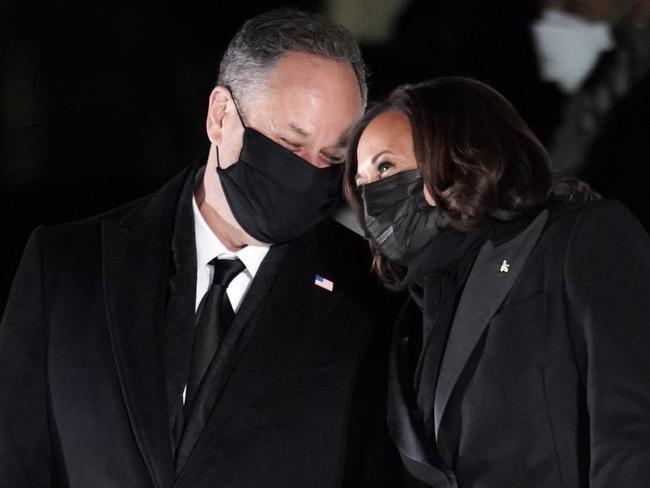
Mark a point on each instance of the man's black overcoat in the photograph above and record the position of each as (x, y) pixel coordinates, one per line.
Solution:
(295, 395)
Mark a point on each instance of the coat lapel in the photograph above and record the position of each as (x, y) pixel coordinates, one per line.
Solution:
(224, 361)
(282, 309)
(404, 424)
(492, 276)
(136, 254)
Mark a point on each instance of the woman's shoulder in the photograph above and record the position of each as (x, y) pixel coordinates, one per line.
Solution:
(605, 214)
(596, 228)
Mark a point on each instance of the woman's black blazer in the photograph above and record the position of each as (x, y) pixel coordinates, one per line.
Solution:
(545, 379)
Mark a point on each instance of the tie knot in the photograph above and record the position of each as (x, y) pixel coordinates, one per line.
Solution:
(225, 270)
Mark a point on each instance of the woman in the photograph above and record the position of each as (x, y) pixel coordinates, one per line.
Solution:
(522, 358)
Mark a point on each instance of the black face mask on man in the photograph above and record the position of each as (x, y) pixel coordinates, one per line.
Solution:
(398, 219)
(274, 194)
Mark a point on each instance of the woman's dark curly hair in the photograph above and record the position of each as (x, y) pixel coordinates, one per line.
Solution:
(478, 158)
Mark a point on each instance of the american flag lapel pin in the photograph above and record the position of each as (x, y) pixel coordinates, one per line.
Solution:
(324, 283)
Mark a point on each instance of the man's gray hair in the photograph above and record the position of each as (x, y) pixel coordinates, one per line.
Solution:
(263, 39)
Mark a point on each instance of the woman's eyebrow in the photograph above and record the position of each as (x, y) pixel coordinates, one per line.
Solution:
(374, 159)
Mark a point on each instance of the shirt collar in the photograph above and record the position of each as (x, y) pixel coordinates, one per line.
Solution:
(208, 246)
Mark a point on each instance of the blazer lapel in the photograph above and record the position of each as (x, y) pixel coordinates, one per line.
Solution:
(136, 255)
(492, 276)
(405, 426)
(281, 310)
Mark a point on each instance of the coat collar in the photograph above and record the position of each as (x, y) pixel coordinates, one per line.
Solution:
(496, 269)
(136, 255)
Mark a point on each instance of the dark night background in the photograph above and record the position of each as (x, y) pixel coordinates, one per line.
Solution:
(101, 103)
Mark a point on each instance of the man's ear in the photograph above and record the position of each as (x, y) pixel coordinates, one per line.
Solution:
(219, 99)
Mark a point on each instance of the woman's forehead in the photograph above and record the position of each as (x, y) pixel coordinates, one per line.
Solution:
(387, 131)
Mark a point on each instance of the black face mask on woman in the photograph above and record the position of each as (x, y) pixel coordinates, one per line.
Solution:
(274, 194)
(398, 219)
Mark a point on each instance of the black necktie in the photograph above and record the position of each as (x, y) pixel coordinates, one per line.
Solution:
(212, 320)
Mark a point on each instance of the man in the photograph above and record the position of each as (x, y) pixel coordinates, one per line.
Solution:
(129, 359)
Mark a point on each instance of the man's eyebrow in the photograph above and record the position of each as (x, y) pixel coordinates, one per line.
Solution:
(299, 130)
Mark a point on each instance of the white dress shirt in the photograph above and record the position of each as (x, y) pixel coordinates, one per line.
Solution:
(208, 247)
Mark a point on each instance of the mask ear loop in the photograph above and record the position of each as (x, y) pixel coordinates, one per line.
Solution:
(216, 149)
(241, 120)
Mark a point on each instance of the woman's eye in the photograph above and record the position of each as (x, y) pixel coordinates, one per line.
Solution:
(384, 167)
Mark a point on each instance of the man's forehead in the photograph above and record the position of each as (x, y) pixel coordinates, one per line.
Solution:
(307, 98)
(311, 74)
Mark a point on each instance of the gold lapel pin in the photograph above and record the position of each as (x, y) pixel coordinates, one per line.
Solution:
(505, 267)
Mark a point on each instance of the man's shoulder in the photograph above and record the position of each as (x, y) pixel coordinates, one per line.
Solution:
(159, 205)
(90, 225)
(336, 241)
(77, 245)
